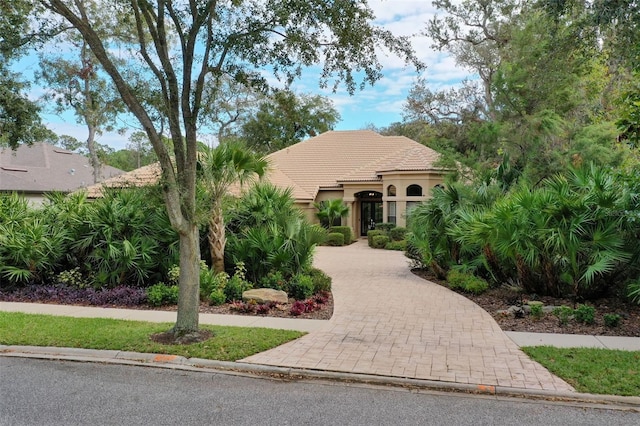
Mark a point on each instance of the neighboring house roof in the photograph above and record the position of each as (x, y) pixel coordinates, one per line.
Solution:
(334, 157)
(42, 167)
(322, 162)
(145, 175)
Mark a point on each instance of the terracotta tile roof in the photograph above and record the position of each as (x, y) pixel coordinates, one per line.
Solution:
(43, 167)
(320, 162)
(346, 156)
(145, 175)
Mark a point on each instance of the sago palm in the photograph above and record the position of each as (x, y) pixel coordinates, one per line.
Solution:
(221, 168)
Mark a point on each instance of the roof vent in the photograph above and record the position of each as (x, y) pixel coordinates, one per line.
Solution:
(72, 172)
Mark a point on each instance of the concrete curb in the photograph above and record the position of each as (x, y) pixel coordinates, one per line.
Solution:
(226, 367)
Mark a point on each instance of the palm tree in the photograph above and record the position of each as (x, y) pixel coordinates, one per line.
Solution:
(331, 210)
(221, 168)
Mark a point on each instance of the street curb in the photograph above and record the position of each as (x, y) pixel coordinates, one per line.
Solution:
(288, 373)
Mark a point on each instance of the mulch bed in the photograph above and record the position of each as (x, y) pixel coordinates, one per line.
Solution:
(498, 299)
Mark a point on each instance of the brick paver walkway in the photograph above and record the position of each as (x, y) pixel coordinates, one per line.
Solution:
(387, 321)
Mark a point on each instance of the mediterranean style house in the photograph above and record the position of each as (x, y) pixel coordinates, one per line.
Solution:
(34, 170)
(378, 177)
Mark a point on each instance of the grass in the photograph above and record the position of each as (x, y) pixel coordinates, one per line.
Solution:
(590, 370)
(228, 343)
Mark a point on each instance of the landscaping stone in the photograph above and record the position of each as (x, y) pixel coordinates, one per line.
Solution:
(263, 295)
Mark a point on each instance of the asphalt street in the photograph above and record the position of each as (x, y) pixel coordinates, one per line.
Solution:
(45, 392)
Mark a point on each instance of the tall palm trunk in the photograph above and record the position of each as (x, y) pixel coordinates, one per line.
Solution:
(217, 238)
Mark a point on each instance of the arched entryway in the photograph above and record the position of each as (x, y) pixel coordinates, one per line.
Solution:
(370, 206)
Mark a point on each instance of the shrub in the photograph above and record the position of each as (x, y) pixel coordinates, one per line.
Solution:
(379, 241)
(73, 278)
(301, 287)
(611, 320)
(536, 309)
(335, 239)
(397, 234)
(161, 294)
(321, 281)
(126, 237)
(563, 313)
(344, 230)
(298, 308)
(585, 314)
(235, 287)
(396, 245)
(217, 297)
(274, 280)
(212, 282)
(466, 282)
(385, 227)
(373, 233)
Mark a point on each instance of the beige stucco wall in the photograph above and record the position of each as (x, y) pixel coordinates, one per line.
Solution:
(402, 180)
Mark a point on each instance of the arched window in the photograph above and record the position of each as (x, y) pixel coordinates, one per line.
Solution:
(414, 191)
(391, 190)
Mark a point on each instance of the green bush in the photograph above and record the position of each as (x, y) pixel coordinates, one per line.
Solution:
(385, 227)
(335, 239)
(237, 284)
(126, 237)
(217, 297)
(564, 313)
(379, 241)
(274, 280)
(161, 294)
(396, 245)
(373, 233)
(585, 314)
(267, 233)
(301, 287)
(74, 278)
(466, 282)
(344, 230)
(536, 310)
(397, 234)
(321, 281)
(611, 320)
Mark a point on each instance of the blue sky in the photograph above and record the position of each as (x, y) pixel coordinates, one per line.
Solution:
(379, 105)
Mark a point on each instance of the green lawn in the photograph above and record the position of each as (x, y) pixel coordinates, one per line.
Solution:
(227, 344)
(598, 371)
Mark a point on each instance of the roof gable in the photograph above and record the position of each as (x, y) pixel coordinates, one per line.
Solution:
(348, 156)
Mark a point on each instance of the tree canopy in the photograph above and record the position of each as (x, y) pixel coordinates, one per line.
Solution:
(285, 119)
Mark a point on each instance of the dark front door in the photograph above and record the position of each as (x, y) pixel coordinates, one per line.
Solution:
(371, 213)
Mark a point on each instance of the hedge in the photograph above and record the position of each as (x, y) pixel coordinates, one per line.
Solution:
(344, 230)
(335, 239)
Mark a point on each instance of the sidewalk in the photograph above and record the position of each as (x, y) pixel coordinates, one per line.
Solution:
(307, 325)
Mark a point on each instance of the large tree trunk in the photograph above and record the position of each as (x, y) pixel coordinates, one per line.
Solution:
(189, 296)
(217, 238)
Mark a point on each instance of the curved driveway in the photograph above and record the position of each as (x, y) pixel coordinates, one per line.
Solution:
(389, 322)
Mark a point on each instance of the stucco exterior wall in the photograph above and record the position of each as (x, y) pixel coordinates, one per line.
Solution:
(401, 181)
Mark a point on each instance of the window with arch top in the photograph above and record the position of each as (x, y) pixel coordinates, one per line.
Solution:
(414, 191)
(391, 191)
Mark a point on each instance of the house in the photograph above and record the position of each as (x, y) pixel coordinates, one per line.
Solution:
(378, 177)
(33, 170)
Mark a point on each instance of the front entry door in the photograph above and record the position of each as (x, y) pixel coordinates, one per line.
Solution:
(371, 213)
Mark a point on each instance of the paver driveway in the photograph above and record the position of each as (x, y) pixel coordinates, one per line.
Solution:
(387, 321)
